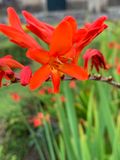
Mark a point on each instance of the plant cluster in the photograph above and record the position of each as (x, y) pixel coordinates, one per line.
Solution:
(65, 43)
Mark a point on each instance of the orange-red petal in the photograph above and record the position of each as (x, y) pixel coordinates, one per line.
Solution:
(71, 53)
(38, 55)
(25, 75)
(14, 19)
(74, 71)
(55, 80)
(42, 34)
(86, 34)
(19, 37)
(61, 39)
(41, 29)
(10, 62)
(34, 21)
(99, 22)
(71, 20)
(80, 34)
(41, 75)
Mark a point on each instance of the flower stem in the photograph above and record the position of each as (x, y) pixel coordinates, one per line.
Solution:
(94, 77)
(100, 78)
(108, 80)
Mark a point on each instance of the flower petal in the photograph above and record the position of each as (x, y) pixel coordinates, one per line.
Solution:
(9, 74)
(34, 21)
(71, 53)
(42, 34)
(10, 62)
(38, 55)
(25, 75)
(72, 22)
(8, 56)
(86, 34)
(2, 73)
(61, 40)
(74, 71)
(80, 34)
(55, 80)
(41, 75)
(21, 38)
(41, 29)
(14, 19)
(98, 22)
(96, 57)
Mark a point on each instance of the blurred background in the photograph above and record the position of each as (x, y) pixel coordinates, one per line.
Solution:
(52, 5)
(46, 9)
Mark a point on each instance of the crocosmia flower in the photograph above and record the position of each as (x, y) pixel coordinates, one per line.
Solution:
(66, 41)
(15, 96)
(54, 62)
(7, 64)
(97, 59)
(39, 119)
(80, 37)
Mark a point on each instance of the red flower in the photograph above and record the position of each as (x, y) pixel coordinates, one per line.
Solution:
(114, 45)
(118, 69)
(72, 84)
(42, 91)
(54, 62)
(63, 99)
(66, 42)
(97, 59)
(49, 90)
(25, 75)
(7, 63)
(117, 65)
(37, 122)
(16, 97)
(39, 118)
(45, 90)
(85, 35)
(81, 37)
(15, 32)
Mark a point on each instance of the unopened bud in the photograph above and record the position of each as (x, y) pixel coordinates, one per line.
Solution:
(25, 75)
